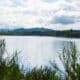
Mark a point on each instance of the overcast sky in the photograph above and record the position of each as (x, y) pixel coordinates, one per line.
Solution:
(54, 14)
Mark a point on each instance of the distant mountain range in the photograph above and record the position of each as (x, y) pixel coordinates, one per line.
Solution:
(40, 32)
(24, 29)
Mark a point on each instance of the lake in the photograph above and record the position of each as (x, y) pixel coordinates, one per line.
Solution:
(36, 50)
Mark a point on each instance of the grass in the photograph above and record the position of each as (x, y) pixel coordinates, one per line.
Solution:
(70, 60)
(10, 70)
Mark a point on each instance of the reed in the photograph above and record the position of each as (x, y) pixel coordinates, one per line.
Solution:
(10, 70)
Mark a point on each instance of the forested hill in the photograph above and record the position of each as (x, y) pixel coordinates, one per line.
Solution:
(40, 32)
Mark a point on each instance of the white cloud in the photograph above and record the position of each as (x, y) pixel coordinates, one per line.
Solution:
(36, 13)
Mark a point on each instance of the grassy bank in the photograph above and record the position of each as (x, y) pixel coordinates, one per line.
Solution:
(10, 70)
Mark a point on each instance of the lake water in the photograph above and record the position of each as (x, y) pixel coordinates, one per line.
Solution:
(36, 50)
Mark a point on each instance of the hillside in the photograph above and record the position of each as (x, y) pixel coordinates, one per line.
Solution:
(40, 32)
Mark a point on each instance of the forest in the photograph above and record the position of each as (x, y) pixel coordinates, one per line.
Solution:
(41, 32)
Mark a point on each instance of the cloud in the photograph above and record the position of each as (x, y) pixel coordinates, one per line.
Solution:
(13, 3)
(38, 13)
(65, 20)
(19, 3)
(49, 1)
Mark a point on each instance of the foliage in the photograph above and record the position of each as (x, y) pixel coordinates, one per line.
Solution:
(41, 32)
(70, 60)
(10, 70)
(41, 74)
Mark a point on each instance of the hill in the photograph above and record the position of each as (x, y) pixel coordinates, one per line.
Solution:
(41, 32)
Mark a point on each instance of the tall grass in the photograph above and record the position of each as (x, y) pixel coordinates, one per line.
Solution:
(10, 70)
(70, 60)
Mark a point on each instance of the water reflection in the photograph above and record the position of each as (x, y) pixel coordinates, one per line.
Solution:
(37, 51)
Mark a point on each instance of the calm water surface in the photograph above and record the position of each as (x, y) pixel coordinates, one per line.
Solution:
(35, 50)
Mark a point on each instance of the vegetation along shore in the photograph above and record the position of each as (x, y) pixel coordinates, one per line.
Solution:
(10, 69)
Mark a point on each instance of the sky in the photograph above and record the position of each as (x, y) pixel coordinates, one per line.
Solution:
(53, 14)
